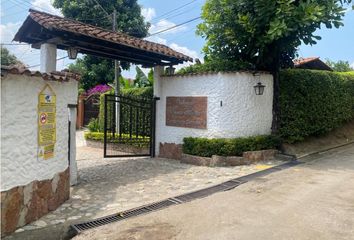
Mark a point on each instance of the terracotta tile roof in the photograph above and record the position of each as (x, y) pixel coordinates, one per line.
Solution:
(301, 61)
(314, 63)
(50, 22)
(62, 76)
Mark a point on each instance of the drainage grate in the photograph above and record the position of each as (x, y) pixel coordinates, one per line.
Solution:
(179, 199)
(200, 193)
(122, 215)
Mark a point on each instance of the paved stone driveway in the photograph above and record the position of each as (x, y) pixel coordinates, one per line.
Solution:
(107, 186)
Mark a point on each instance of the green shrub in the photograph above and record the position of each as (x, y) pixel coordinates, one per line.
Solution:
(146, 93)
(125, 139)
(93, 125)
(228, 147)
(314, 102)
(215, 66)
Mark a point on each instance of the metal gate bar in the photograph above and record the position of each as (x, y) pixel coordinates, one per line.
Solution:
(134, 136)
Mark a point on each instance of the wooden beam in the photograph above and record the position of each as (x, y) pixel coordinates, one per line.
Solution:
(54, 40)
(113, 56)
(123, 49)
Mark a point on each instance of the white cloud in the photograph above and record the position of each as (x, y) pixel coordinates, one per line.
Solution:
(148, 13)
(352, 65)
(29, 56)
(8, 31)
(182, 49)
(190, 53)
(46, 6)
(157, 39)
(23, 52)
(165, 24)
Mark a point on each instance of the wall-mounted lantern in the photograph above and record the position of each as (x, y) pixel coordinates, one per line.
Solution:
(259, 88)
(72, 52)
(170, 70)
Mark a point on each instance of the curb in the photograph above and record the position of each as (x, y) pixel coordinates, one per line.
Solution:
(324, 150)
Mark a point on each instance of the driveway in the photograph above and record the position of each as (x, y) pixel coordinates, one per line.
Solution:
(108, 186)
(314, 200)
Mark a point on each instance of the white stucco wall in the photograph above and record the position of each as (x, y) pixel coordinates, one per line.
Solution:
(20, 163)
(242, 113)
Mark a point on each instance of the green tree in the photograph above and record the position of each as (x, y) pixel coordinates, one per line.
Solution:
(7, 58)
(97, 70)
(141, 80)
(340, 66)
(265, 33)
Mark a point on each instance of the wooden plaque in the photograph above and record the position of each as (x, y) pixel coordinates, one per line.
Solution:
(187, 112)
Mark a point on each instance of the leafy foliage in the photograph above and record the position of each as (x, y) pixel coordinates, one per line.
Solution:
(228, 147)
(93, 125)
(314, 102)
(141, 80)
(129, 18)
(265, 33)
(146, 93)
(340, 66)
(215, 66)
(95, 70)
(99, 136)
(262, 32)
(7, 58)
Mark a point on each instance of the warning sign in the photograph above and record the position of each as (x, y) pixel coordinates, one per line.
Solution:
(46, 122)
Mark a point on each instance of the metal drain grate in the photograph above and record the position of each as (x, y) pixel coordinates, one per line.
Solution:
(200, 193)
(122, 215)
(179, 199)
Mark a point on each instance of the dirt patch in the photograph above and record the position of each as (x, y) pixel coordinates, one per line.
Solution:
(337, 137)
(157, 231)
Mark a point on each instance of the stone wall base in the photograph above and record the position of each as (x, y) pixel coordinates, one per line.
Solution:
(220, 161)
(24, 204)
(171, 151)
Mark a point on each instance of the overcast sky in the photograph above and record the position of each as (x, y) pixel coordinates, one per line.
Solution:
(336, 44)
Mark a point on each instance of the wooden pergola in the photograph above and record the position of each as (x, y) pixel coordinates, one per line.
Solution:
(40, 27)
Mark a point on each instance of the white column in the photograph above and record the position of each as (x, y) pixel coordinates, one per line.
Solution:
(158, 71)
(72, 153)
(48, 58)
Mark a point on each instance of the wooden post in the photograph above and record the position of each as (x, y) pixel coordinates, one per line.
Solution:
(81, 111)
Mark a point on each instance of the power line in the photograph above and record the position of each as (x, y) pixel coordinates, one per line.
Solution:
(40, 64)
(178, 25)
(101, 7)
(4, 10)
(13, 14)
(173, 10)
(178, 14)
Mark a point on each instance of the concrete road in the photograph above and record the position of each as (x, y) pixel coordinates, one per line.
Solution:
(312, 201)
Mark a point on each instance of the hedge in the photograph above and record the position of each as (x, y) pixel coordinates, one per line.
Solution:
(314, 102)
(146, 92)
(228, 147)
(216, 66)
(99, 136)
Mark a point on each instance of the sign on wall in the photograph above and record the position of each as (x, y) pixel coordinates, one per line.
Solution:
(46, 122)
(187, 112)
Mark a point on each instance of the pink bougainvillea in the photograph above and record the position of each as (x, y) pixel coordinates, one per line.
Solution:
(102, 88)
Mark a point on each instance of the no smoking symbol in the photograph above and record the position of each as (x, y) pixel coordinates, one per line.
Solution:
(43, 118)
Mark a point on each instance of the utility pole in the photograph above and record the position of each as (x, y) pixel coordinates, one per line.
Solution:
(116, 75)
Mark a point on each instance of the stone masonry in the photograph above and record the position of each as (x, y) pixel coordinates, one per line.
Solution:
(24, 204)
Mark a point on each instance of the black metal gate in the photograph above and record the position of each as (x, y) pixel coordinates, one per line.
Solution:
(129, 126)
